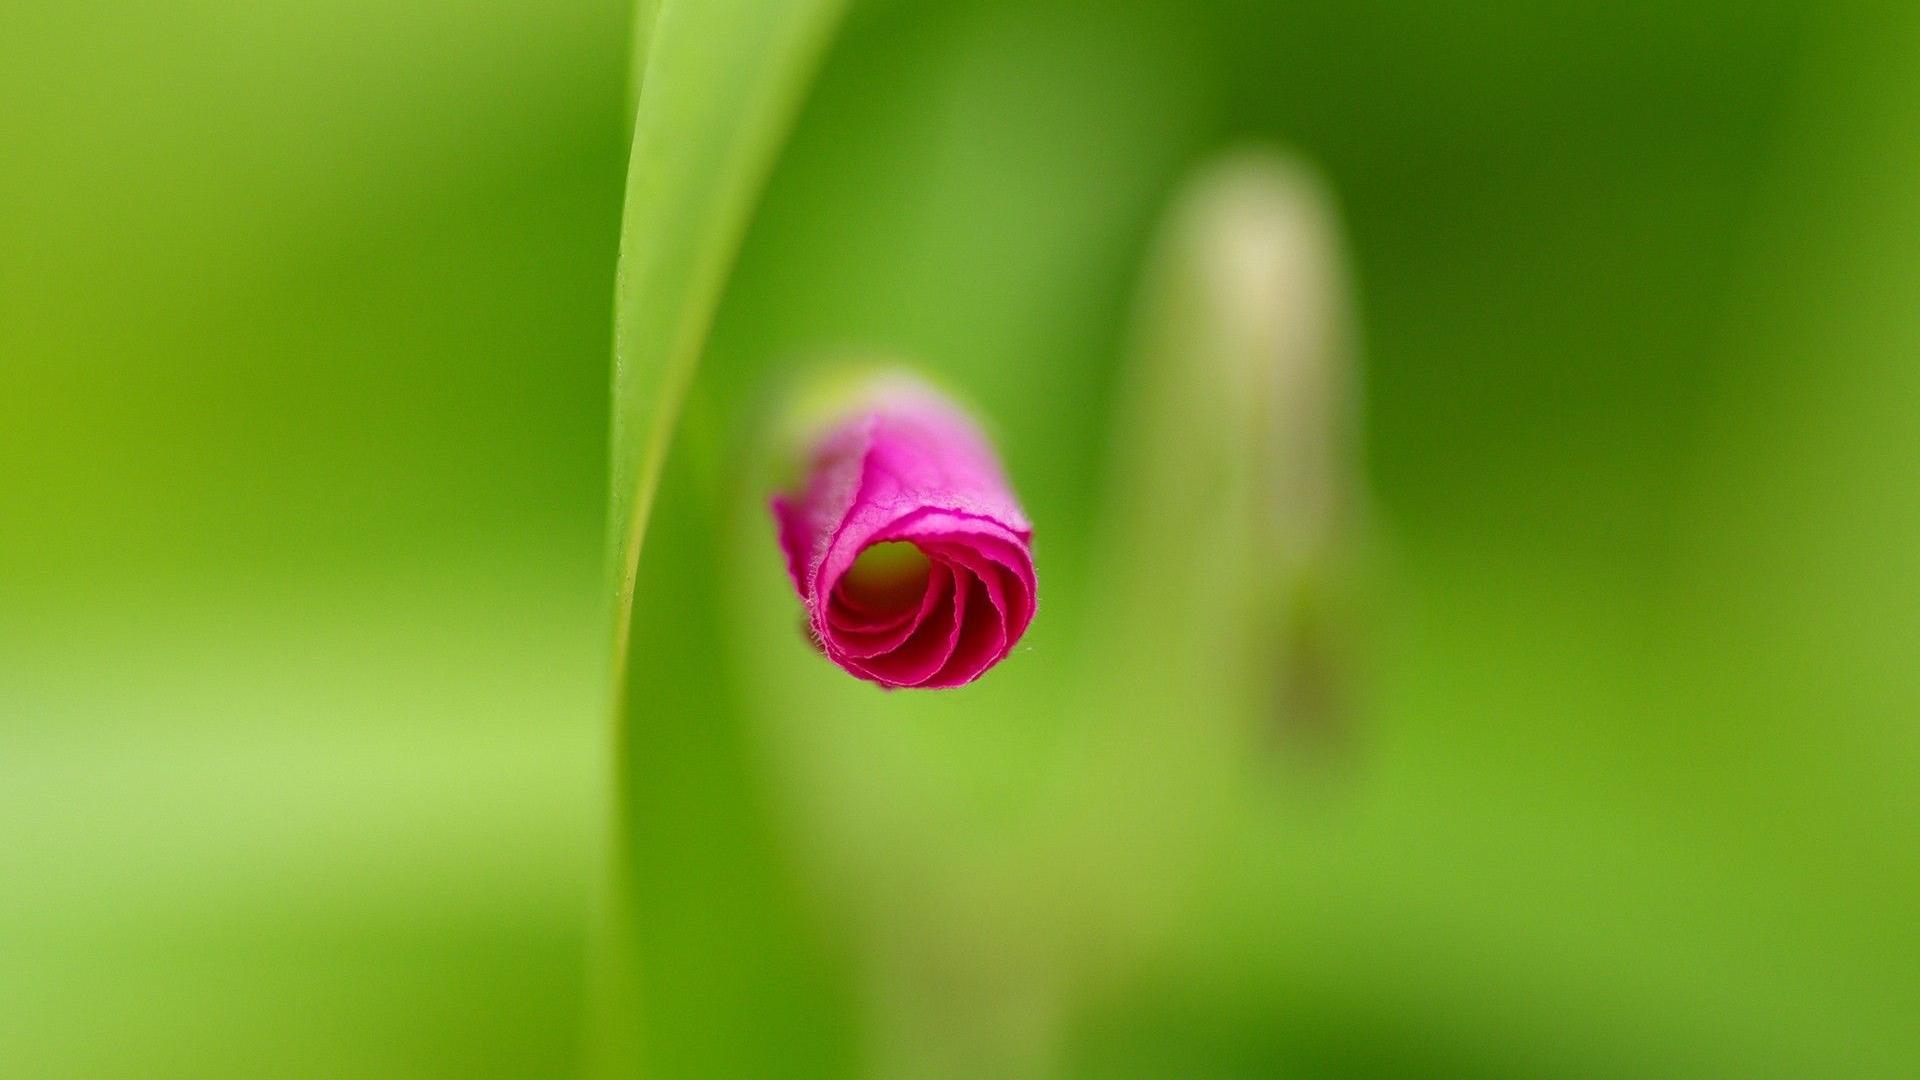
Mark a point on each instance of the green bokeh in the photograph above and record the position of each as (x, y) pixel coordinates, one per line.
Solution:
(304, 338)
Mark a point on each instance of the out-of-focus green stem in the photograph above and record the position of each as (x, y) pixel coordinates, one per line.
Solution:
(1233, 478)
(1217, 627)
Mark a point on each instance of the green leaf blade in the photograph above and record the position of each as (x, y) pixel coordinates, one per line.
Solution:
(707, 963)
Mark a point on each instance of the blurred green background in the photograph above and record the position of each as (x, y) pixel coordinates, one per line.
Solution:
(304, 340)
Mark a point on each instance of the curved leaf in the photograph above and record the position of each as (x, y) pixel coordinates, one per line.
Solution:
(722, 82)
(707, 966)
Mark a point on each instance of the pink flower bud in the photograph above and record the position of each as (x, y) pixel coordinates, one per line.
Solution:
(906, 545)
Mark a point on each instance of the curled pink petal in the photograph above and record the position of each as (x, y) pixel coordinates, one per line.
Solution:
(906, 544)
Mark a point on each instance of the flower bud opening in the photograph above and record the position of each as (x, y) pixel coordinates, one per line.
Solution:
(905, 542)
